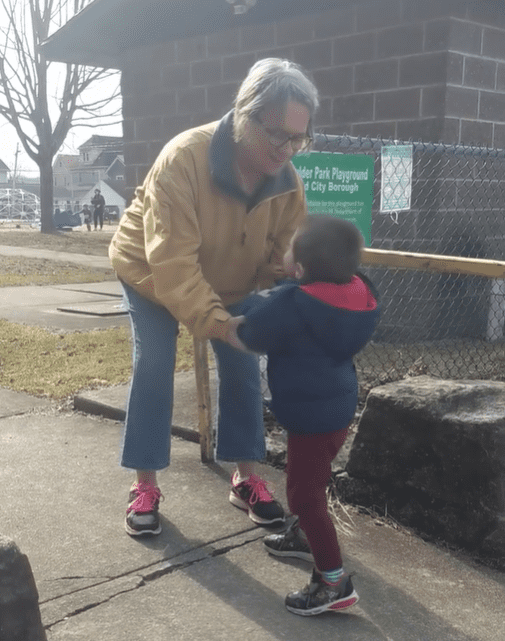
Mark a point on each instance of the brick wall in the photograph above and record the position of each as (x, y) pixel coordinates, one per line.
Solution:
(406, 69)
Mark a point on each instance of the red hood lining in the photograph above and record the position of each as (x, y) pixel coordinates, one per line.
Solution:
(354, 296)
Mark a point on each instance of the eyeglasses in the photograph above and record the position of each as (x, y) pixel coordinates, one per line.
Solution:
(278, 138)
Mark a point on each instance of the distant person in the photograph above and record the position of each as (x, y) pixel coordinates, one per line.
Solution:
(98, 202)
(209, 225)
(310, 330)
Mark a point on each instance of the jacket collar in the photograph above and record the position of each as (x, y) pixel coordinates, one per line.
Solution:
(221, 168)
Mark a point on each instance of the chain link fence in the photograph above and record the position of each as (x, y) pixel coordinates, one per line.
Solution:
(446, 325)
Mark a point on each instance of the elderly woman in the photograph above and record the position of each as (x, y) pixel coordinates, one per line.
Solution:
(209, 225)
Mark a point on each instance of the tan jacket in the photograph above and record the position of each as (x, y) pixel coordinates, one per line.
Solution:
(190, 242)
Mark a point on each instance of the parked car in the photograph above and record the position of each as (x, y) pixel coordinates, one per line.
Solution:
(66, 218)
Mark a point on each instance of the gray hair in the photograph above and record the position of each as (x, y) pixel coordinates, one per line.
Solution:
(273, 81)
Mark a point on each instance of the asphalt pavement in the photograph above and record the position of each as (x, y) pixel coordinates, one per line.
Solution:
(207, 576)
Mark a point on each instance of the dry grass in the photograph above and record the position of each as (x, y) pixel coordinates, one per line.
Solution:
(21, 271)
(58, 365)
(76, 241)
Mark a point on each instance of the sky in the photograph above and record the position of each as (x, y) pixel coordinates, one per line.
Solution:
(77, 136)
(9, 141)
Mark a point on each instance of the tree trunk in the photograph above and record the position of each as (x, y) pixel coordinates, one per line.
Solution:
(46, 196)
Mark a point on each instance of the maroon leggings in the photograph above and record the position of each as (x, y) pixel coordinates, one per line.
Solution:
(309, 471)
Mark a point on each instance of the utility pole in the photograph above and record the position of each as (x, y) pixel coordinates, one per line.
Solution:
(13, 200)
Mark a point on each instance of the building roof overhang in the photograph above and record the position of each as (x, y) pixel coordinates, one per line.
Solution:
(102, 33)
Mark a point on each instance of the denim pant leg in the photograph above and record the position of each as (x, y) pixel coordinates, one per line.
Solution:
(146, 443)
(240, 428)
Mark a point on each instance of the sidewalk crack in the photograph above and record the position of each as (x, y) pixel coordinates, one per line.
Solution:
(159, 569)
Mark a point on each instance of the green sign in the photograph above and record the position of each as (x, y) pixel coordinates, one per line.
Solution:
(340, 185)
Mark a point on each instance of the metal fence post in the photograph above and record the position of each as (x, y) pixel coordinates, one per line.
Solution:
(203, 399)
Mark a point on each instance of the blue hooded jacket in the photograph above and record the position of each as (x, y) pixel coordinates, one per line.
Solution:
(310, 334)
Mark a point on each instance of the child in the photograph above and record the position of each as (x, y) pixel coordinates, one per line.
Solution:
(86, 212)
(311, 330)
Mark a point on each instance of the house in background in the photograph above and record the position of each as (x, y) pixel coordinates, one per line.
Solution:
(62, 166)
(100, 162)
(114, 194)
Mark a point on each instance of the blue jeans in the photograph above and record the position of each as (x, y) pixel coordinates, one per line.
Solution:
(146, 444)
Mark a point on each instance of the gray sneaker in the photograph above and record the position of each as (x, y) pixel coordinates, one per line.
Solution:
(289, 544)
(318, 597)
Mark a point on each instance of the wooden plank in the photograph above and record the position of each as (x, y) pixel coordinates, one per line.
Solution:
(434, 263)
(203, 398)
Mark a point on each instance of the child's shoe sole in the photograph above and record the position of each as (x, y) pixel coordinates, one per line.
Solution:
(337, 606)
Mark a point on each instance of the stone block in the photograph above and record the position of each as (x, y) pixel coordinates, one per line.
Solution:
(334, 82)
(312, 55)
(335, 22)
(235, 68)
(206, 72)
(455, 68)
(462, 102)
(295, 30)
(223, 43)
(373, 76)
(436, 35)
(176, 76)
(400, 103)
(478, 133)
(191, 101)
(400, 41)
(465, 37)
(355, 48)
(433, 451)
(220, 97)
(480, 73)
(492, 106)
(191, 49)
(374, 15)
(424, 69)
(493, 43)
(257, 37)
(433, 101)
(357, 108)
(19, 600)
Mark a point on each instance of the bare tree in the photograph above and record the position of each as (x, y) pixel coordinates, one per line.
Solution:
(43, 100)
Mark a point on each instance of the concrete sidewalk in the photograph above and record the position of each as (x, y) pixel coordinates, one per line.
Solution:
(79, 306)
(207, 576)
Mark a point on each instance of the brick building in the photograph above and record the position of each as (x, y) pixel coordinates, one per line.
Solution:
(423, 70)
(406, 69)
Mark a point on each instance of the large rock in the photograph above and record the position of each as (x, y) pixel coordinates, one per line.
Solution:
(431, 453)
(19, 600)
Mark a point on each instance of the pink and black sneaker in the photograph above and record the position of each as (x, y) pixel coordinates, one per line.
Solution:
(253, 496)
(142, 513)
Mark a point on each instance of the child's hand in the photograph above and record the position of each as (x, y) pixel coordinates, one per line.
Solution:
(232, 336)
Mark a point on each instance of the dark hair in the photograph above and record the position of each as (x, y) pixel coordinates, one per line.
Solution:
(328, 249)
